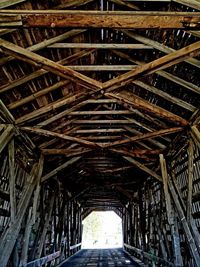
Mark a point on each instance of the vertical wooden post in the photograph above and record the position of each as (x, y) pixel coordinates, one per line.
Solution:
(170, 213)
(11, 154)
(190, 180)
(31, 217)
(10, 235)
(45, 228)
(190, 239)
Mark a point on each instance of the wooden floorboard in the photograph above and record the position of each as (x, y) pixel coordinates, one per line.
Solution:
(100, 258)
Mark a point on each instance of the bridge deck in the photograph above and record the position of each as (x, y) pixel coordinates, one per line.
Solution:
(100, 258)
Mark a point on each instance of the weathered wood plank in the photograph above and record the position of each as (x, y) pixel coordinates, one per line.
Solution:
(190, 181)
(192, 3)
(47, 64)
(144, 105)
(102, 19)
(100, 112)
(60, 168)
(99, 46)
(7, 243)
(161, 47)
(170, 213)
(11, 153)
(188, 85)
(7, 3)
(151, 67)
(58, 135)
(45, 43)
(50, 107)
(143, 168)
(191, 242)
(144, 136)
(40, 72)
(6, 136)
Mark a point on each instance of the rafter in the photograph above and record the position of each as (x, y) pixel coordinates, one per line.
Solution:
(144, 168)
(161, 47)
(46, 43)
(188, 85)
(60, 168)
(58, 135)
(141, 104)
(100, 19)
(151, 67)
(40, 72)
(47, 64)
(145, 136)
(100, 46)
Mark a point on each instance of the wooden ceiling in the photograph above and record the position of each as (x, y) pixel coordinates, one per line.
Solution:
(101, 88)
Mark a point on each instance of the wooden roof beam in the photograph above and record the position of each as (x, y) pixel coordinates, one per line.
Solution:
(144, 168)
(100, 19)
(161, 47)
(192, 3)
(59, 135)
(60, 168)
(156, 65)
(145, 136)
(99, 46)
(188, 85)
(49, 65)
(144, 105)
(40, 72)
(46, 43)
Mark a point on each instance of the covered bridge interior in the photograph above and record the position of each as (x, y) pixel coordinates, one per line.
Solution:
(99, 110)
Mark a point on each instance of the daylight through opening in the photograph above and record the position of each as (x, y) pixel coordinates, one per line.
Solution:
(102, 229)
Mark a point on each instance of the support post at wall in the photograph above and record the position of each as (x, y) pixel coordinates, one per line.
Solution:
(170, 214)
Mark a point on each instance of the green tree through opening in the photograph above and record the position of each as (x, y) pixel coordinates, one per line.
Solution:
(102, 230)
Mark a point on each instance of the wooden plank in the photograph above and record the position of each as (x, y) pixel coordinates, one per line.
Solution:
(11, 153)
(192, 3)
(102, 19)
(6, 136)
(58, 135)
(43, 260)
(45, 43)
(188, 234)
(5, 113)
(145, 136)
(7, 243)
(188, 85)
(170, 213)
(50, 107)
(100, 112)
(151, 67)
(47, 64)
(7, 3)
(32, 97)
(144, 168)
(41, 72)
(196, 133)
(66, 152)
(166, 96)
(75, 246)
(45, 227)
(163, 48)
(190, 181)
(137, 152)
(144, 105)
(99, 46)
(98, 68)
(60, 168)
(90, 121)
(73, 4)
